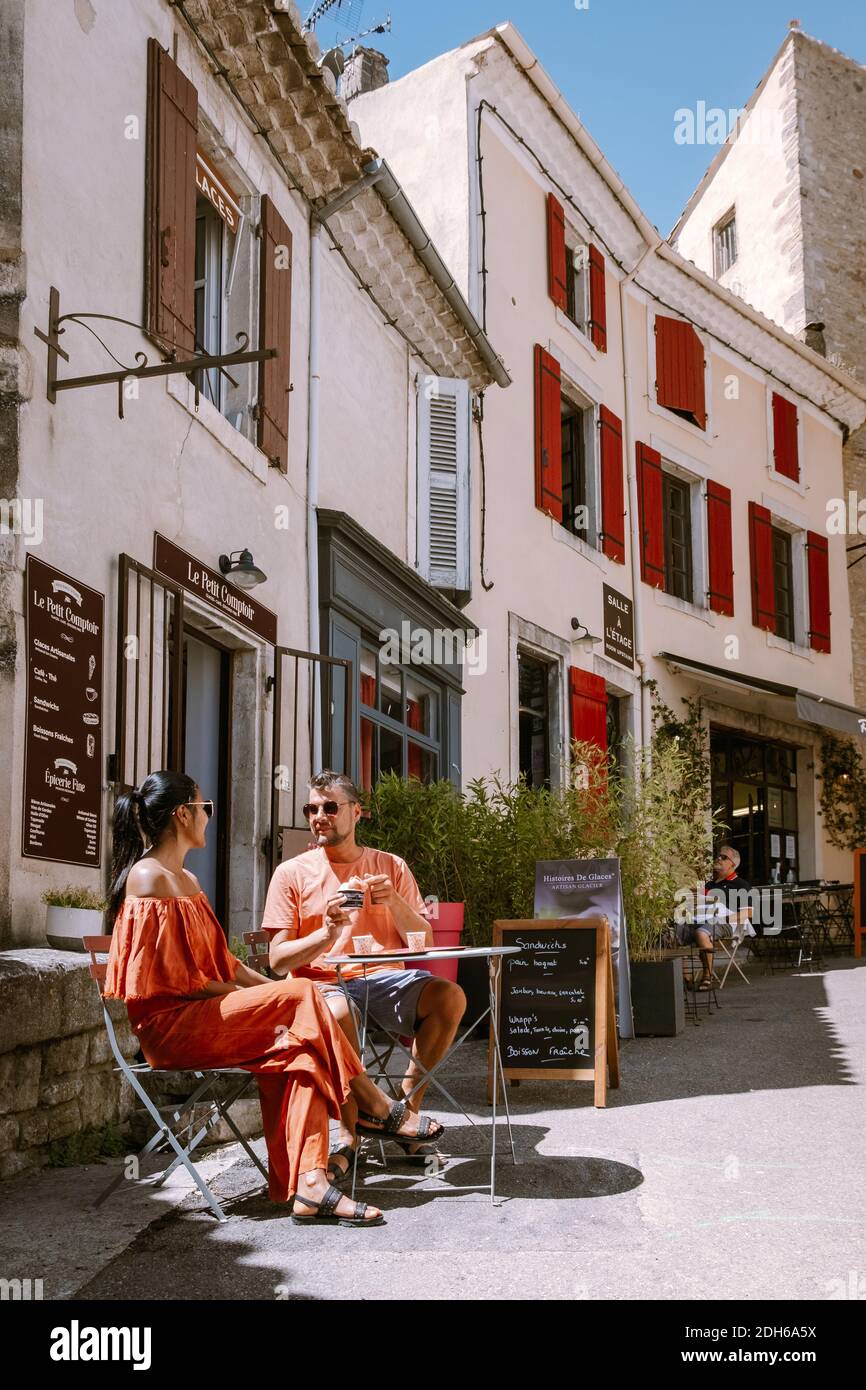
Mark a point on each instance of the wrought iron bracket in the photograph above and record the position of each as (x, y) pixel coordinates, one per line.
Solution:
(143, 369)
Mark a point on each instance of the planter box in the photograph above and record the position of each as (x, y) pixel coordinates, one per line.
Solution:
(657, 997)
(65, 926)
(447, 931)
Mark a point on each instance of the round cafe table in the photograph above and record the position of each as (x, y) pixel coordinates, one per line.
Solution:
(494, 956)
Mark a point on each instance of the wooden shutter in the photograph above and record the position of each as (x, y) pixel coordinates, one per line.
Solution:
(680, 369)
(169, 198)
(720, 593)
(588, 700)
(556, 257)
(275, 330)
(548, 434)
(785, 451)
(761, 559)
(652, 540)
(597, 300)
(443, 481)
(612, 491)
(818, 565)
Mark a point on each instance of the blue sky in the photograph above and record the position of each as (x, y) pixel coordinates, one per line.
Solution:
(626, 66)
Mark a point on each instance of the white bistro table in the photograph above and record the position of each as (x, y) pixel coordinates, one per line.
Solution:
(494, 956)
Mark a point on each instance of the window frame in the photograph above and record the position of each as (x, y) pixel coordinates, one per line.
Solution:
(550, 667)
(674, 485)
(382, 721)
(579, 399)
(724, 223)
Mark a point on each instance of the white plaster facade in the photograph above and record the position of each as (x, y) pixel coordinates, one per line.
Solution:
(429, 124)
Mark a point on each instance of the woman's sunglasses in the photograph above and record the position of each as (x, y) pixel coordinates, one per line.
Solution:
(208, 806)
(328, 808)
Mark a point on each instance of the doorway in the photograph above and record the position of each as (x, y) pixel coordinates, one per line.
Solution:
(206, 731)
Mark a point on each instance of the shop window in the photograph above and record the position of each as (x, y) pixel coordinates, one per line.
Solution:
(533, 706)
(754, 790)
(400, 724)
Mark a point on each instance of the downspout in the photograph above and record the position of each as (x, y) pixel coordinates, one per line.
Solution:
(634, 516)
(313, 383)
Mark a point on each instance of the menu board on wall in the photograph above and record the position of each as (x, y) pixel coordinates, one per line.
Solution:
(63, 743)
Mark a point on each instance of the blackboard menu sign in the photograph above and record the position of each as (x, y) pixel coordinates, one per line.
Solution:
(63, 743)
(556, 1014)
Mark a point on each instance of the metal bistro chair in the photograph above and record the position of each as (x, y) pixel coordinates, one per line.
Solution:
(378, 1045)
(180, 1136)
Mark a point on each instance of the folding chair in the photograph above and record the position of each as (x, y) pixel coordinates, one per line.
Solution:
(259, 945)
(730, 945)
(180, 1137)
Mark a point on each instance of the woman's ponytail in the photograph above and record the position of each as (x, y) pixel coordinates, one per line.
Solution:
(140, 820)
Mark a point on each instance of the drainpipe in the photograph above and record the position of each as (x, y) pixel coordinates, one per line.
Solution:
(645, 719)
(313, 383)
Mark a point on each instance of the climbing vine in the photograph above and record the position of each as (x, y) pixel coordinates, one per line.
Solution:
(843, 791)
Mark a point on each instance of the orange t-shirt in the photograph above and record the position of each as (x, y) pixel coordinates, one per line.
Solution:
(301, 887)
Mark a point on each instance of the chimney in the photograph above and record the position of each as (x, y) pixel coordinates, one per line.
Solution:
(365, 70)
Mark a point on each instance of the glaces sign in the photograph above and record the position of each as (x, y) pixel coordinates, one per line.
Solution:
(618, 627)
(63, 744)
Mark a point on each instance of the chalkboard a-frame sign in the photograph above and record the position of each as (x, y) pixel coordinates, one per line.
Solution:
(557, 1018)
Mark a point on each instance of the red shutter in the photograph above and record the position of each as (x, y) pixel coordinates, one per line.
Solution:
(588, 700)
(169, 198)
(817, 559)
(719, 547)
(612, 496)
(652, 541)
(556, 262)
(275, 328)
(680, 369)
(597, 300)
(785, 452)
(761, 558)
(548, 434)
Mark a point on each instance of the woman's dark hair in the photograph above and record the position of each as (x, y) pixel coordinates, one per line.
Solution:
(140, 818)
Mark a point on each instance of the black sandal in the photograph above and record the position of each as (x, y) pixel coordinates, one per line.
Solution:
(388, 1129)
(343, 1151)
(326, 1208)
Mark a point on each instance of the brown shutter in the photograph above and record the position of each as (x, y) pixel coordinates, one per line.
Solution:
(719, 549)
(785, 452)
(680, 369)
(169, 196)
(556, 261)
(597, 300)
(761, 557)
(548, 434)
(818, 566)
(275, 328)
(612, 490)
(652, 539)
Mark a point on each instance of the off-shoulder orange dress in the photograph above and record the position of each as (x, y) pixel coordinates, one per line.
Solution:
(164, 950)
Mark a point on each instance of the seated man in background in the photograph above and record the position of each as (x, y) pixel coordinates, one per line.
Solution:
(731, 892)
(404, 1001)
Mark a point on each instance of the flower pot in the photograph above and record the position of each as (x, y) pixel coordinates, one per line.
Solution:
(657, 997)
(65, 926)
(447, 931)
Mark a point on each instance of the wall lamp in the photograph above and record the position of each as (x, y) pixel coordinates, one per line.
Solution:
(582, 636)
(240, 569)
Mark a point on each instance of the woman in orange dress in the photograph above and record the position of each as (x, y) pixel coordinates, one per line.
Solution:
(192, 1004)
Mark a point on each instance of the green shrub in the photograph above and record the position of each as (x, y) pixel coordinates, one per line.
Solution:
(74, 896)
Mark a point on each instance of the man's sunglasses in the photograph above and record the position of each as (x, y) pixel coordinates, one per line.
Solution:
(208, 806)
(327, 808)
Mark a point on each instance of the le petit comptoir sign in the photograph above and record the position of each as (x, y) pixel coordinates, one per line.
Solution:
(63, 744)
(618, 627)
(208, 584)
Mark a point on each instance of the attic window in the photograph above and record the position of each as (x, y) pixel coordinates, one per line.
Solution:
(725, 243)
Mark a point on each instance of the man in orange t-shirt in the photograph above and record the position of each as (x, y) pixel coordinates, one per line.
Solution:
(307, 918)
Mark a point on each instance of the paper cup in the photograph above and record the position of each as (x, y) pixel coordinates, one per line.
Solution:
(363, 945)
(416, 940)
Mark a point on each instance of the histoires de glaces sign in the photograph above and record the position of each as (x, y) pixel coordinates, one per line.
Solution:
(63, 744)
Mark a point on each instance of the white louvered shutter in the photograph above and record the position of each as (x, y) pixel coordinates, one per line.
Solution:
(443, 481)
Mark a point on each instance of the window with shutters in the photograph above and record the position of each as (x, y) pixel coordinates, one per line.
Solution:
(677, 514)
(578, 470)
(783, 584)
(784, 432)
(443, 482)
(680, 369)
(577, 280)
(534, 721)
(725, 243)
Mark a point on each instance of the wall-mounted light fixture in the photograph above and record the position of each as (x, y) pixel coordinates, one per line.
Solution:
(582, 635)
(240, 569)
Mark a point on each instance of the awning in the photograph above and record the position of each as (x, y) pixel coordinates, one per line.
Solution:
(811, 709)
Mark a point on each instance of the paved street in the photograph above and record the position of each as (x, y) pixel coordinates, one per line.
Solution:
(729, 1165)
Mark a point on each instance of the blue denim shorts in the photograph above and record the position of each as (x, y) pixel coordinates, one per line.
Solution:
(391, 997)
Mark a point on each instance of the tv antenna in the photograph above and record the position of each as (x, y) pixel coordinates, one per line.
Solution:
(345, 15)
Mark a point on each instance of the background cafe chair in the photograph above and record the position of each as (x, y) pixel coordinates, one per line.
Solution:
(176, 1131)
(730, 945)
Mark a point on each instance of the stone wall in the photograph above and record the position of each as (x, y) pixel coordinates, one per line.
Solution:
(56, 1066)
